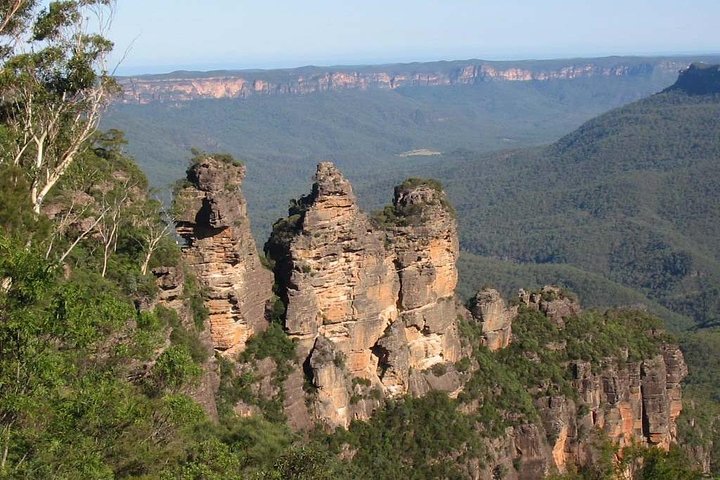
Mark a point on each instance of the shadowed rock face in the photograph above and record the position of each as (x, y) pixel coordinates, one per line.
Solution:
(495, 318)
(220, 250)
(631, 402)
(698, 79)
(384, 299)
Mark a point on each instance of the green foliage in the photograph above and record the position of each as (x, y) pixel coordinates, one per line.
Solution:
(660, 465)
(273, 343)
(53, 84)
(699, 423)
(503, 397)
(241, 383)
(594, 290)
(181, 336)
(439, 369)
(538, 362)
(234, 386)
(410, 438)
(199, 156)
(622, 199)
(174, 368)
(196, 302)
(15, 206)
(414, 182)
(67, 347)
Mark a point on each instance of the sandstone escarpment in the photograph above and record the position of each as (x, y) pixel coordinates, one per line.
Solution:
(629, 401)
(211, 216)
(180, 87)
(370, 309)
(698, 79)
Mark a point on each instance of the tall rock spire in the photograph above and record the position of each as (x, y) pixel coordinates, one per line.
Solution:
(211, 216)
(346, 282)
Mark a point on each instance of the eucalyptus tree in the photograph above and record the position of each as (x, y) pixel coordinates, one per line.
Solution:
(54, 85)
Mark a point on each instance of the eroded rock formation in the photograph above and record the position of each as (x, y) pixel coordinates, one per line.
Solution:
(211, 216)
(553, 302)
(426, 246)
(495, 318)
(381, 299)
(371, 307)
(631, 402)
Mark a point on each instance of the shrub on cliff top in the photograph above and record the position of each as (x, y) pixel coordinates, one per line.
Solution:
(414, 182)
(199, 156)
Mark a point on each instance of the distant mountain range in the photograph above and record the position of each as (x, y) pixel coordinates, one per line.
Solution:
(183, 86)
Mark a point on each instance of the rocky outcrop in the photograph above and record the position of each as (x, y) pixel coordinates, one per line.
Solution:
(370, 306)
(495, 318)
(632, 403)
(425, 241)
(170, 282)
(381, 300)
(698, 79)
(335, 274)
(211, 217)
(243, 84)
(553, 302)
(629, 402)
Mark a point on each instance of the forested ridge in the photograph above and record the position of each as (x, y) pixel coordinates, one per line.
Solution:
(631, 195)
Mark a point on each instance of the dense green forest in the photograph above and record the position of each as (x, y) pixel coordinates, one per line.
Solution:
(631, 195)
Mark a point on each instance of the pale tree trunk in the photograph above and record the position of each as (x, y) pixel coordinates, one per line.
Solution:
(153, 238)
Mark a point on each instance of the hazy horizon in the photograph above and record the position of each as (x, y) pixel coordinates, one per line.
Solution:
(138, 70)
(165, 35)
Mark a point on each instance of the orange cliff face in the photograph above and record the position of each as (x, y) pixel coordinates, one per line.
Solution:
(220, 251)
(148, 89)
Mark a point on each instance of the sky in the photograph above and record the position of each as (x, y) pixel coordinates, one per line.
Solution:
(154, 36)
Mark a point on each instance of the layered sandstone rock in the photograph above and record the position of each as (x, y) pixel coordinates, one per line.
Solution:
(370, 305)
(170, 282)
(426, 246)
(338, 282)
(631, 402)
(495, 318)
(335, 274)
(164, 88)
(220, 250)
(382, 301)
